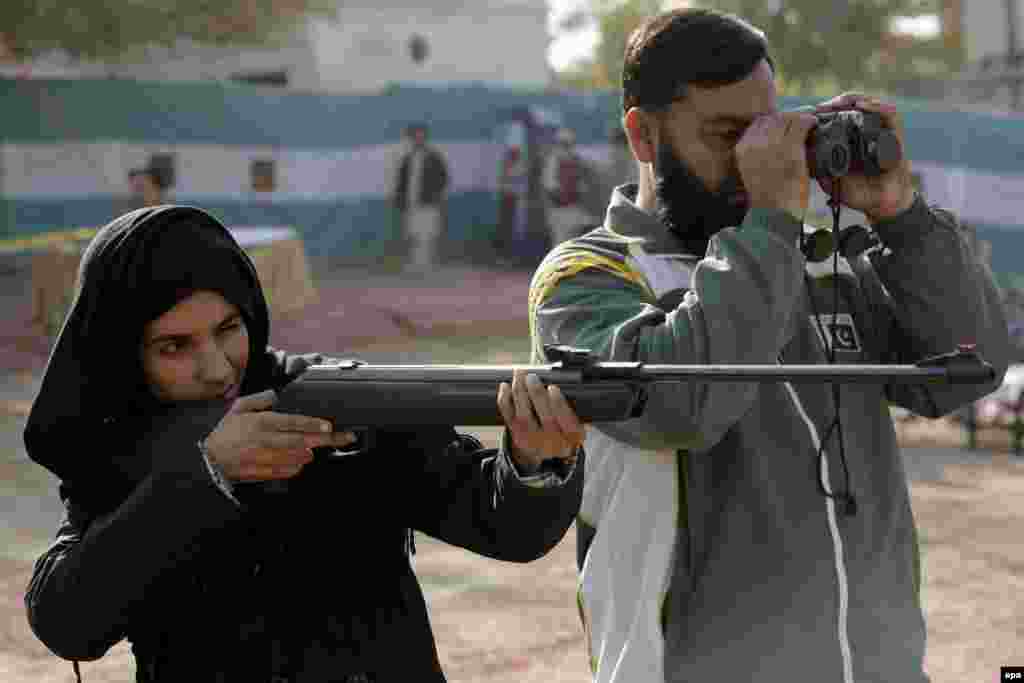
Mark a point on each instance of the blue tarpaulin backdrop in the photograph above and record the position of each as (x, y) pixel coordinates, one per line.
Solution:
(65, 146)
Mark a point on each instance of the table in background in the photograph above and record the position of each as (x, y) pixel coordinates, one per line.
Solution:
(277, 253)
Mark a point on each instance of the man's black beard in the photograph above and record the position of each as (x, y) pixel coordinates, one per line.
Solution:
(686, 205)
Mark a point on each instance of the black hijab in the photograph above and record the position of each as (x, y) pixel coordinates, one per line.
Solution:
(136, 268)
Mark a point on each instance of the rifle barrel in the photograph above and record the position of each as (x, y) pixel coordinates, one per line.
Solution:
(846, 374)
(643, 373)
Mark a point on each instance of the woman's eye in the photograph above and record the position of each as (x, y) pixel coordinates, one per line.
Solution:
(171, 349)
(230, 327)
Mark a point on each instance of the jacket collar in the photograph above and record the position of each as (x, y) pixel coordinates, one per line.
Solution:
(627, 219)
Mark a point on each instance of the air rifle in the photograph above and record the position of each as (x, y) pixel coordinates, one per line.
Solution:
(360, 396)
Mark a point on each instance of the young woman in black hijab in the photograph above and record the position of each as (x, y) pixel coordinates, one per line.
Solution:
(199, 526)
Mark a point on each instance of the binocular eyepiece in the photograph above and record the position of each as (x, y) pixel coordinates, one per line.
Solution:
(851, 141)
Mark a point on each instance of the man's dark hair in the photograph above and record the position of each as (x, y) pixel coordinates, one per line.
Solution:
(687, 46)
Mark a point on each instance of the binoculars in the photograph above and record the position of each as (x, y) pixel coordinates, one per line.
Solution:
(851, 141)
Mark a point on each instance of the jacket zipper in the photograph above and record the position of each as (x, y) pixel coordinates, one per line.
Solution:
(837, 543)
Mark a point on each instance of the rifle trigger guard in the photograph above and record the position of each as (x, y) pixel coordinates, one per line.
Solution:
(363, 444)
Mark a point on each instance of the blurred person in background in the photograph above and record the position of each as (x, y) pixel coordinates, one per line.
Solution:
(513, 192)
(146, 187)
(420, 194)
(200, 527)
(622, 168)
(744, 531)
(566, 179)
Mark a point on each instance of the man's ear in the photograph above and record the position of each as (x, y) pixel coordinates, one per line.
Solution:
(641, 130)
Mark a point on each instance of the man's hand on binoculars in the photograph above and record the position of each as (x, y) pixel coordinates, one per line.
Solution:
(772, 161)
(880, 197)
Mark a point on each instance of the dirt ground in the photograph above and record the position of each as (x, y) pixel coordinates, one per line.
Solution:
(503, 622)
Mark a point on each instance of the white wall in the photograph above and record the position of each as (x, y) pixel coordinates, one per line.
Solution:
(369, 47)
(203, 171)
(494, 41)
(985, 35)
(186, 61)
(984, 28)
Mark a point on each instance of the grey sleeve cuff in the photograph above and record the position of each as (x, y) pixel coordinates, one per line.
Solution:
(216, 475)
(548, 474)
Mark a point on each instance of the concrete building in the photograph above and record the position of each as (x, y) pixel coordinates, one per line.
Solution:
(367, 47)
(991, 33)
(491, 41)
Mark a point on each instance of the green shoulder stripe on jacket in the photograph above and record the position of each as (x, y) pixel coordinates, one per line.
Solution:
(600, 249)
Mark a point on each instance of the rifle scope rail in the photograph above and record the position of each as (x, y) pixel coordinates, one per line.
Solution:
(571, 365)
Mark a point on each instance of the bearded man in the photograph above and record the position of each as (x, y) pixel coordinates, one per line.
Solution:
(742, 531)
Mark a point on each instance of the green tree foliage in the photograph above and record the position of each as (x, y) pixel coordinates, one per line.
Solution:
(844, 43)
(615, 21)
(819, 46)
(108, 28)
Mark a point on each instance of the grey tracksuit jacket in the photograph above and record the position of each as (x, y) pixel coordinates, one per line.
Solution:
(710, 549)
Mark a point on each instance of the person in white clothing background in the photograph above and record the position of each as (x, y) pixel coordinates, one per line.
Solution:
(420, 191)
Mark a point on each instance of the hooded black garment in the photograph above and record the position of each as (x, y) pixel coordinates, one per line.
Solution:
(134, 270)
(304, 583)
